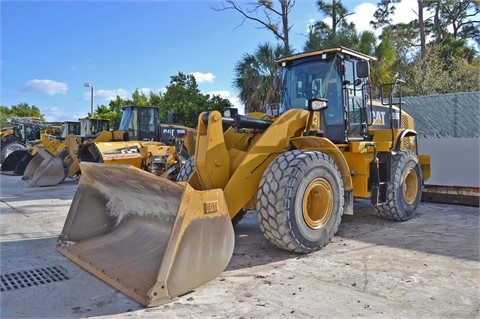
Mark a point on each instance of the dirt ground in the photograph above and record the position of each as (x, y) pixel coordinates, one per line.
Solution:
(427, 267)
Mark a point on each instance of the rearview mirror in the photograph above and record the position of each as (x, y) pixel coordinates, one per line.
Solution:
(363, 69)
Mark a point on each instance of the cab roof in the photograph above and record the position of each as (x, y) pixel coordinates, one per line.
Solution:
(335, 50)
(140, 106)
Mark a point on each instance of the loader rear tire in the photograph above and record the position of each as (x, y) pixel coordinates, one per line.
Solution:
(405, 189)
(300, 201)
(11, 147)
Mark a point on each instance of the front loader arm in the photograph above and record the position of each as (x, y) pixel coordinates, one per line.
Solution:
(240, 183)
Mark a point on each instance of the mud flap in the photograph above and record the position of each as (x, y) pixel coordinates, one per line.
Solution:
(147, 236)
(43, 169)
(16, 162)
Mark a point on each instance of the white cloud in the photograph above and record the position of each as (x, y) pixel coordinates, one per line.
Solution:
(106, 95)
(146, 91)
(203, 77)
(362, 16)
(405, 11)
(48, 87)
(58, 114)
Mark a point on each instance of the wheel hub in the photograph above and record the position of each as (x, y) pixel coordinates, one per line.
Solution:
(317, 203)
(410, 186)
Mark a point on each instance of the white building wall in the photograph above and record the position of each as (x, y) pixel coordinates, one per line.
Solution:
(453, 161)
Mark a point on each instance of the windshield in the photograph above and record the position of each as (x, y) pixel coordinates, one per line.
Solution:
(127, 120)
(312, 79)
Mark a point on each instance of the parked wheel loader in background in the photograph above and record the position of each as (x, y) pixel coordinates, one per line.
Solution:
(145, 144)
(24, 131)
(154, 239)
(140, 141)
(18, 143)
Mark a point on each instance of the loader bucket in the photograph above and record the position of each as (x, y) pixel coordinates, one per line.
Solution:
(16, 162)
(145, 235)
(43, 169)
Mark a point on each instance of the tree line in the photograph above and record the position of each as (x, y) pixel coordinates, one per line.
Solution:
(182, 99)
(435, 53)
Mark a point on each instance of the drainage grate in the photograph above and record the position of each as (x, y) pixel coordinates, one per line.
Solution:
(29, 278)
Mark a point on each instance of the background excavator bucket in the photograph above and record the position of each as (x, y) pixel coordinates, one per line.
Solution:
(16, 162)
(147, 236)
(43, 169)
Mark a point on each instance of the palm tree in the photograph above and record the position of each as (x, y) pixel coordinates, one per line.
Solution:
(254, 75)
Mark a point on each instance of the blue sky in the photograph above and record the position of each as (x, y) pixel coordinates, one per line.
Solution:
(49, 49)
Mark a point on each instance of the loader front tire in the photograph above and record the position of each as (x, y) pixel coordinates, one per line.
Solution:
(405, 189)
(187, 170)
(300, 201)
(64, 155)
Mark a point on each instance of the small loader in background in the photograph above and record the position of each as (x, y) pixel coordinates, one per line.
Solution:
(154, 239)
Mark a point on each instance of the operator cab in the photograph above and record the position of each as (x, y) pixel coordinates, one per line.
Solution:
(91, 126)
(141, 123)
(338, 75)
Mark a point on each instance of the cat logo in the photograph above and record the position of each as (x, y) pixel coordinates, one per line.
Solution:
(378, 118)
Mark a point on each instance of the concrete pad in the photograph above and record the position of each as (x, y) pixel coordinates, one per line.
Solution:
(427, 267)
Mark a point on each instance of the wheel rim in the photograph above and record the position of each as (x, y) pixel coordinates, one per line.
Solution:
(410, 186)
(317, 203)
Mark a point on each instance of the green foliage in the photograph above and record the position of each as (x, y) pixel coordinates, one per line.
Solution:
(456, 76)
(254, 77)
(21, 110)
(451, 64)
(182, 97)
(186, 101)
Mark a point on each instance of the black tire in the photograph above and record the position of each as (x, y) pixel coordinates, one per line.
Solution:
(289, 217)
(12, 146)
(405, 189)
(64, 155)
(238, 218)
(187, 170)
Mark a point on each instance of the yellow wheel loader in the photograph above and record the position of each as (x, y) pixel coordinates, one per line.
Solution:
(146, 144)
(300, 169)
(18, 142)
(140, 141)
(24, 131)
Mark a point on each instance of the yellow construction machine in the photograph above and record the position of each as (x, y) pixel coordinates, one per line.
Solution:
(22, 133)
(18, 142)
(140, 141)
(145, 143)
(300, 169)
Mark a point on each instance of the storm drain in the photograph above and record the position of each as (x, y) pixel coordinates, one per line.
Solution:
(34, 277)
